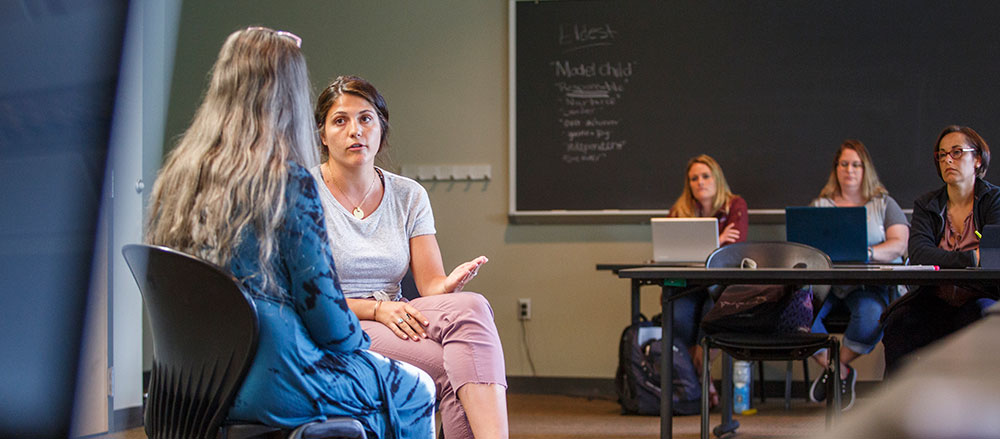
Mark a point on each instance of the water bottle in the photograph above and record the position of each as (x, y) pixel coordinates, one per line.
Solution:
(741, 386)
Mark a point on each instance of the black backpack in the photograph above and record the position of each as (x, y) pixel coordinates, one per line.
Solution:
(637, 380)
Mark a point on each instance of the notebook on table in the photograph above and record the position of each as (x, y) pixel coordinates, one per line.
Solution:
(840, 232)
(684, 241)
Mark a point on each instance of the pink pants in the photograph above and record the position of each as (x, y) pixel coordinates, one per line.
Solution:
(462, 346)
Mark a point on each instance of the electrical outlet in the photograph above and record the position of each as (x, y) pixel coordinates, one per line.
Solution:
(524, 309)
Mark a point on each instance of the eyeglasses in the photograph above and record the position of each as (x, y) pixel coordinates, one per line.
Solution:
(297, 39)
(955, 153)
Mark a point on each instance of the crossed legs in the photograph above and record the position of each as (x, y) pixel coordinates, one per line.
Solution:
(463, 355)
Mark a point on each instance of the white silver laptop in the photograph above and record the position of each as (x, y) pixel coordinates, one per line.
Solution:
(684, 241)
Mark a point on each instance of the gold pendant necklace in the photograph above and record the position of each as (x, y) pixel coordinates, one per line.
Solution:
(358, 212)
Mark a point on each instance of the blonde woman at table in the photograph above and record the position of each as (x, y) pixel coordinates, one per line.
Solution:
(944, 233)
(705, 194)
(381, 225)
(853, 182)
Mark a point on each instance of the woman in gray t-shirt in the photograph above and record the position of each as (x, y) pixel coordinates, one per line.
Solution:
(381, 226)
(853, 182)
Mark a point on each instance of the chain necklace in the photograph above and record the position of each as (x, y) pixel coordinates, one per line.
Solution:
(358, 212)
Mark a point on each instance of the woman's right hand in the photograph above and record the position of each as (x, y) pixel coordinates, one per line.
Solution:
(402, 318)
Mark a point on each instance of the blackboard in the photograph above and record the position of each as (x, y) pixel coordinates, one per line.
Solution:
(611, 98)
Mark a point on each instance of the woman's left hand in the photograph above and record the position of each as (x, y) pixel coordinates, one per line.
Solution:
(462, 274)
(729, 235)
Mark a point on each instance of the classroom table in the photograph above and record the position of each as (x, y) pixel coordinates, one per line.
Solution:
(636, 284)
(674, 281)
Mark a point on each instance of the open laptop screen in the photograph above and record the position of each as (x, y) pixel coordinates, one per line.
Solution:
(989, 247)
(840, 232)
(684, 240)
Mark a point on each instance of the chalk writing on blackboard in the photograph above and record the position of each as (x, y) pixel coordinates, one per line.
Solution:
(587, 91)
(611, 97)
(581, 36)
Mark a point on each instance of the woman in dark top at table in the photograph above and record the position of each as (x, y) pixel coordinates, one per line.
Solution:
(854, 182)
(706, 194)
(943, 232)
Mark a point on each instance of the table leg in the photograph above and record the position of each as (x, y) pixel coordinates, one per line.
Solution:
(636, 304)
(667, 365)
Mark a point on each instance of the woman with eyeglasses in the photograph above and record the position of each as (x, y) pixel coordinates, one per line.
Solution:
(853, 182)
(944, 232)
(236, 191)
(705, 194)
(380, 226)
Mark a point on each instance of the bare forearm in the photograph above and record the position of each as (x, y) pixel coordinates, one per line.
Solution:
(888, 251)
(434, 286)
(363, 308)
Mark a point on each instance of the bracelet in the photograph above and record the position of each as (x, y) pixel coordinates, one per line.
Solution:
(871, 254)
(375, 312)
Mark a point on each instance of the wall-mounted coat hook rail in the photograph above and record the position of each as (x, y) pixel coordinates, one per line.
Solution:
(447, 172)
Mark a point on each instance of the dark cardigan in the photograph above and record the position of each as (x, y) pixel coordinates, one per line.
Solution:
(927, 225)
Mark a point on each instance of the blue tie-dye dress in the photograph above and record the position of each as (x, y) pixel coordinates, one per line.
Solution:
(312, 360)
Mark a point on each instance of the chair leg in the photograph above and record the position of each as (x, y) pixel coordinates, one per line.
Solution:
(805, 377)
(788, 385)
(760, 381)
(706, 381)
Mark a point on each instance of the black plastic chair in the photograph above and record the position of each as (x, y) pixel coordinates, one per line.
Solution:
(408, 286)
(205, 334)
(761, 390)
(756, 347)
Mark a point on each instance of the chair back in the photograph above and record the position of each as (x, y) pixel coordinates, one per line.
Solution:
(408, 286)
(747, 346)
(772, 254)
(205, 333)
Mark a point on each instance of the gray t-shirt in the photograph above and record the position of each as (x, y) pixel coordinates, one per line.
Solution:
(373, 254)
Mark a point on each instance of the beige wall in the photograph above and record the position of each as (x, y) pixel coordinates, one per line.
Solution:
(442, 67)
